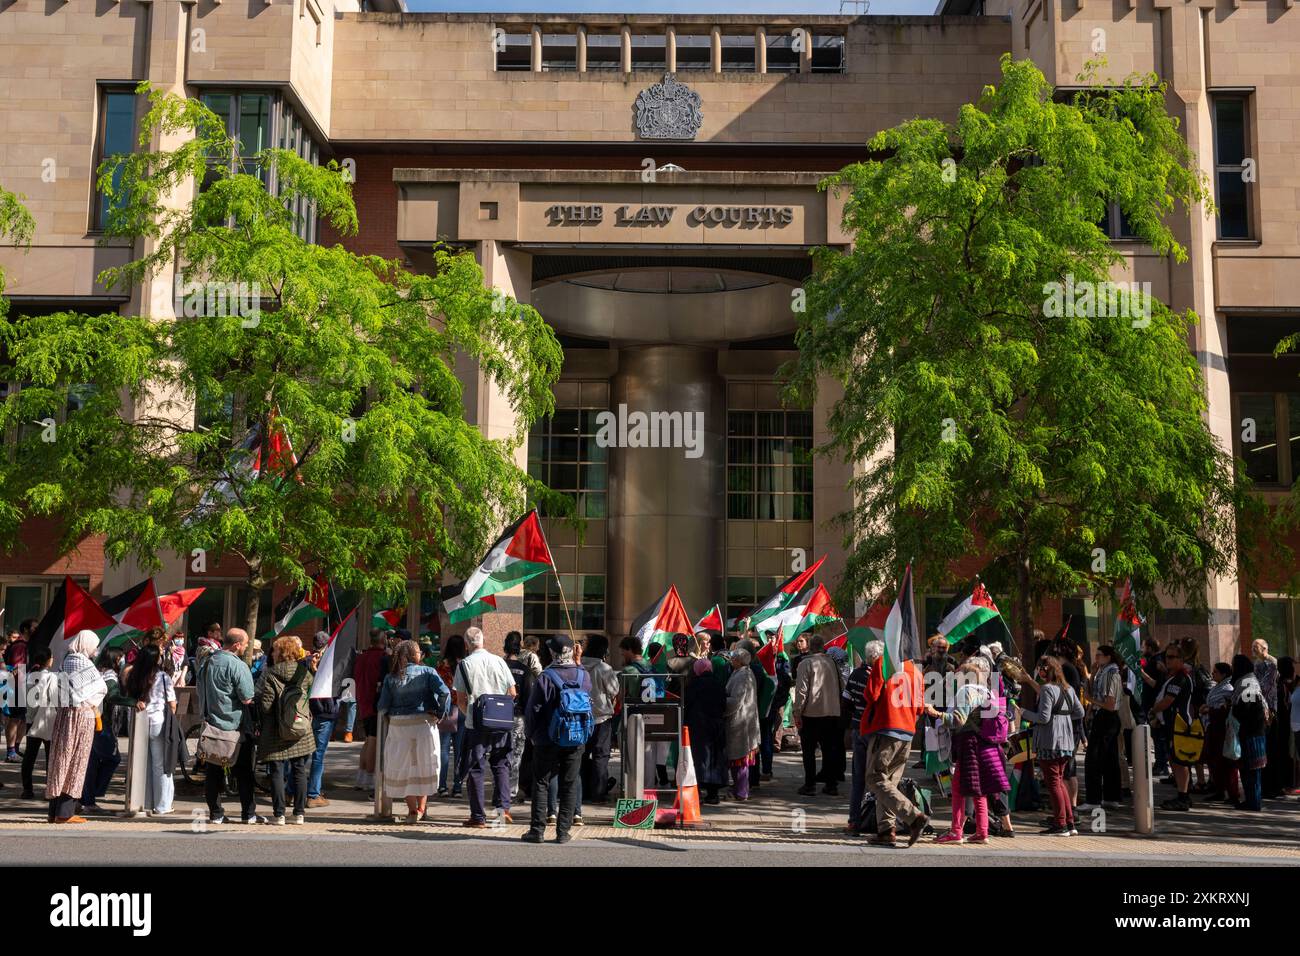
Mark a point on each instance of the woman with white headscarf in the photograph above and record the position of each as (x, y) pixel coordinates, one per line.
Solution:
(81, 692)
(742, 722)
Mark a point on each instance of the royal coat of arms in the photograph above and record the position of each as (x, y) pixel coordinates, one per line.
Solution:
(668, 110)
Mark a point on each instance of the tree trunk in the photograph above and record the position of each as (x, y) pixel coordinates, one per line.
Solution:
(255, 583)
(1024, 607)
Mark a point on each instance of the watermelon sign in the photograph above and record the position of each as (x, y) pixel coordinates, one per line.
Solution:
(635, 814)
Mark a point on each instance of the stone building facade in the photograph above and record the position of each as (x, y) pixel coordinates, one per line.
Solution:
(649, 183)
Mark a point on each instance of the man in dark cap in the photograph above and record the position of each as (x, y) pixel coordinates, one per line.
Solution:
(558, 721)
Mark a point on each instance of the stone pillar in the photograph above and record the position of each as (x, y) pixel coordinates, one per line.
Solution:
(715, 48)
(169, 28)
(805, 55)
(535, 51)
(831, 494)
(667, 512)
(760, 50)
(582, 49)
(1192, 286)
(670, 49)
(489, 408)
(625, 48)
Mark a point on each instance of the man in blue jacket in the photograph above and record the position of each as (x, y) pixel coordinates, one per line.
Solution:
(549, 757)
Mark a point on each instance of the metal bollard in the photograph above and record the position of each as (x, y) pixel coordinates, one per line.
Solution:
(633, 756)
(137, 763)
(383, 806)
(1144, 813)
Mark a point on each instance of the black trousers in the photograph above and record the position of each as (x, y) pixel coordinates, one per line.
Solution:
(297, 767)
(822, 732)
(29, 759)
(1101, 770)
(550, 761)
(595, 762)
(214, 783)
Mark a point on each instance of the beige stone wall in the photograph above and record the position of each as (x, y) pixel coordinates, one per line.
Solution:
(431, 77)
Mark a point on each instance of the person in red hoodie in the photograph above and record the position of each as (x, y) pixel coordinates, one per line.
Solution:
(368, 673)
(889, 723)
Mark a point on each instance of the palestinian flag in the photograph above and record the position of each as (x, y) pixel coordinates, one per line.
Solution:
(1128, 630)
(817, 610)
(788, 617)
(72, 610)
(768, 654)
(175, 604)
(711, 622)
(969, 612)
(389, 618)
(780, 599)
(335, 665)
(659, 622)
(297, 609)
(519, 554)
(484, 605)
(134, 610)
(901, 640)
(869, 627)
(246, 463)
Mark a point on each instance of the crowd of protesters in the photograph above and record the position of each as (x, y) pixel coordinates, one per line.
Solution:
(541, 719)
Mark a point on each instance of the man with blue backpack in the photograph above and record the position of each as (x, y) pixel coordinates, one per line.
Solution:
(558, 721)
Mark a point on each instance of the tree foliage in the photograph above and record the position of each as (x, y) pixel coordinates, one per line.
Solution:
(1069, 451)
(351, 357)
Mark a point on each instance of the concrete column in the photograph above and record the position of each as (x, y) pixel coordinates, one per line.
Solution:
(667, 512)
(1192, 287)
(670, 49)
(582, 49)
(715, 48)
(760, 50)
(489, 408)
(625, 48)
(536, 57)
(169, 27)
(805, 55)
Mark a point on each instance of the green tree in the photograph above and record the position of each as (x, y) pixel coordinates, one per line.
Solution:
(1063, 442)
(276, 340)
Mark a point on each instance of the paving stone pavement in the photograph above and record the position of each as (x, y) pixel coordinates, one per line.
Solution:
(776, 817)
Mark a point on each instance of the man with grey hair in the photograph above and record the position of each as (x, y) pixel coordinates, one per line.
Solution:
(480, 674)
(894, 705)
(818, 687)
(227, 698)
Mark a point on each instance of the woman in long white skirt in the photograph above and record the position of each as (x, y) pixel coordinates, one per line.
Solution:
(415, 698)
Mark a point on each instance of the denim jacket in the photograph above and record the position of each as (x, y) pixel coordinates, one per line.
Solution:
(420, 691)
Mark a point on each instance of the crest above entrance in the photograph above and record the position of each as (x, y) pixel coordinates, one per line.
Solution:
(668, 110)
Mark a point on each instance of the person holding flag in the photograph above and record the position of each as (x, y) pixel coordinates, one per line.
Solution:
(894, 704)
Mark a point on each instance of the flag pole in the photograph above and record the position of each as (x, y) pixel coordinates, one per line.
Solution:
(556, 571)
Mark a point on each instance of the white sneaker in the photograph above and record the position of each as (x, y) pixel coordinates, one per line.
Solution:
(299, 819)
(255, 819)
(1074, 831)
(278, 822)
(1064, 833)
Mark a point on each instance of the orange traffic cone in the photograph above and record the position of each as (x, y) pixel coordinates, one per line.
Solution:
(688, 791)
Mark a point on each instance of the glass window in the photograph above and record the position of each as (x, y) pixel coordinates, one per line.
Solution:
(559, 52)
(1269, 622)
(514, 51)
(694, 53)
(649, 51)
(781, 55)
(208, 608)
(738, 53)
(827, 54)
(1232, 191)
(563, 451)
(117, 138)
(1257, 432)
(23, 601)
(604, 51)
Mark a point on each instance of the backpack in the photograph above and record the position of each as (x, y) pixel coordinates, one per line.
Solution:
(293, 713)
(571, 720)
(1189, 740)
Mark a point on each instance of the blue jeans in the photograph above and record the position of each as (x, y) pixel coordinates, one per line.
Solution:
(322, 728)
(446, 743)
(1252, 788)
(348, 714)
(553, 796)
(159, 787)
(858, 786)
